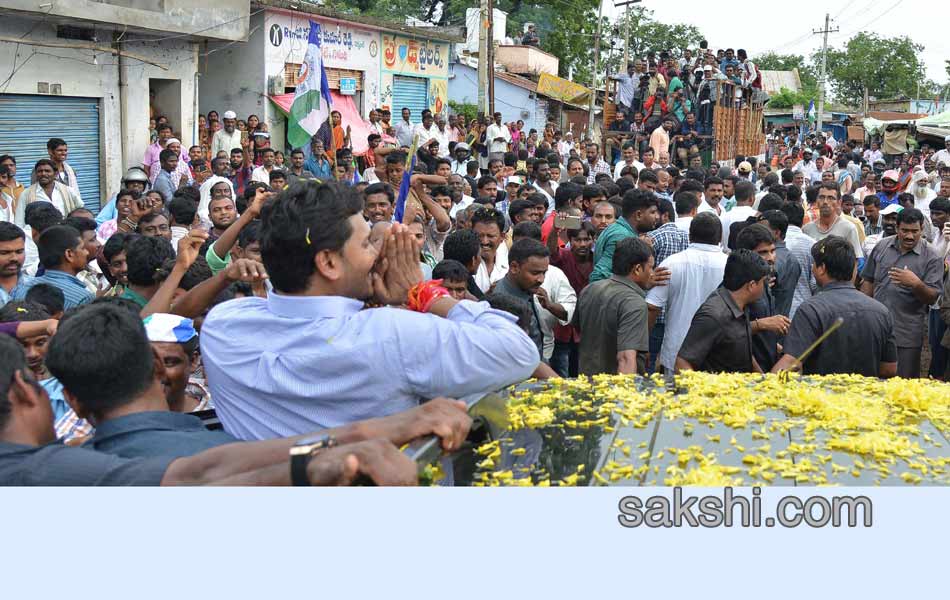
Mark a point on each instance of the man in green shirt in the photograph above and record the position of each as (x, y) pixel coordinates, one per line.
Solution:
(640, 214)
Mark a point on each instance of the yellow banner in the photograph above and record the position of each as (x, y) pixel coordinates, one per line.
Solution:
(562, 89)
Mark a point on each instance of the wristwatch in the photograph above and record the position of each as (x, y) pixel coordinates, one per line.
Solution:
(302, 452)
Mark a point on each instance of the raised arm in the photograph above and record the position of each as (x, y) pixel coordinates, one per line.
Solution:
(188, 247)
(200, 297)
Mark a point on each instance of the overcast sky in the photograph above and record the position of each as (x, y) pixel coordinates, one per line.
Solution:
(785, 28)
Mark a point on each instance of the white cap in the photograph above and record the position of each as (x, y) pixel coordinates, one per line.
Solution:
(946, 138)
(229, 114)
(514, 179)
(891, 209)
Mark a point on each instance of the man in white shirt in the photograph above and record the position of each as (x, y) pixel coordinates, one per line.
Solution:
(498, 138)
(712, 196)
(806, 166)
(627, 87)
(404, 129)
(425, 131)
(262, 173)
(629, 154)
(58, 150)
(228, 138)
(695, 273)
(874, 154)
(461, 156)
(441, 134)
(943, 156)
(745, 197)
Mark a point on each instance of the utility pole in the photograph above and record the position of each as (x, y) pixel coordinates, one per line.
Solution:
(626, 30)
(593, 79)
(483, 56)
(823, 76)
(491, 58)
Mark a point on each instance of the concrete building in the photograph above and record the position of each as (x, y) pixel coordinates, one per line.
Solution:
(82, 70)
(515, 97)
(369, 64)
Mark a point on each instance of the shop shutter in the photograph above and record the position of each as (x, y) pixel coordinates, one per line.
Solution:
(27, 122)
(412, 93)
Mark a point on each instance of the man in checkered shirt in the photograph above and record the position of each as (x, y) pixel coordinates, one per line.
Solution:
(668, 239)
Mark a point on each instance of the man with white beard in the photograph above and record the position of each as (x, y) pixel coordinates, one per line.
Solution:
(923, 193)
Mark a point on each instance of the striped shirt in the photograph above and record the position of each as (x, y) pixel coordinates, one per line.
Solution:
(74, 290)
(286, 365)
(799, 245)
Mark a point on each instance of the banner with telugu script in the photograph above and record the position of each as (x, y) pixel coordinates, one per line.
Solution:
(562, 89)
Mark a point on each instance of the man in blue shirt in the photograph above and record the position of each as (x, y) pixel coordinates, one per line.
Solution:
(310, 355)
(163, 183)
(63, 254)
(29, 456)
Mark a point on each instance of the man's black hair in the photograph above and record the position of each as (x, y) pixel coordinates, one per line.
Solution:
(695, 175)
(380, 188)
(743, 266)
(938, 204)
(565, 193)
(837, 256)
(705, 228)
(149, 217)
(118, 242)
(487, 214)
(81, 224)
(711, 181)
(685, 202)
(665, 207)
(629, 253)
(511, 305)
(301, 222)
(250, 234)
(48, 296)
(537, 199)
(517, 207)
(753, 235)
(28, 309)
(635, 200)
(526, 229)
(165, 155)
(55, 143)
(771, 201)
(10, 232)
(910, 216)
(53, 244)
(278, 174)
(183, 210)
(485, 180)
(145, 257)
(12, 359)
(440, 190)
(40, 216)
(101, 355)
(744, 191)
(648, 175)
(692, 185)
(872, 200)
(395, 158)
(586, 227)
(795, 213)
(450, 270)
(198, 271)
(779, 190)
(461, 245)
(525, 248)
(777, 221)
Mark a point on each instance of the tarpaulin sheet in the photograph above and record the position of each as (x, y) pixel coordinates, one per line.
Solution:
(359, 129)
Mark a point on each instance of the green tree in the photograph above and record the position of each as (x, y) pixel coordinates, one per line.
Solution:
(887, 67)
(647, 34)
(787, 98)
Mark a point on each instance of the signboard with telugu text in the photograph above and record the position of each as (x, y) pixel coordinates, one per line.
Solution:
(798, 112)
(409, 56)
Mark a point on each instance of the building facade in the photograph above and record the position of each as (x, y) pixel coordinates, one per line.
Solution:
(369, 64)
(83, 71)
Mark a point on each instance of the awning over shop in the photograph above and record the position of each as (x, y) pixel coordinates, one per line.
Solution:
(359, 129)
(563, 90)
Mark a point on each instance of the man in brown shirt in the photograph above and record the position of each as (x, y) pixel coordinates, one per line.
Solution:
(904, 274)
(612, 313)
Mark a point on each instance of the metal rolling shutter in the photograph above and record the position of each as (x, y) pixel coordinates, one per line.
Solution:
(27, 122)
(412, 93)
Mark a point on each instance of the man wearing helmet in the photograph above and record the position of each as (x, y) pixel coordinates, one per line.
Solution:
(889, 188)
(136, 180)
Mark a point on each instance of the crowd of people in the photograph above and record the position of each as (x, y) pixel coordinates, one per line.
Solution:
(330, 308)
